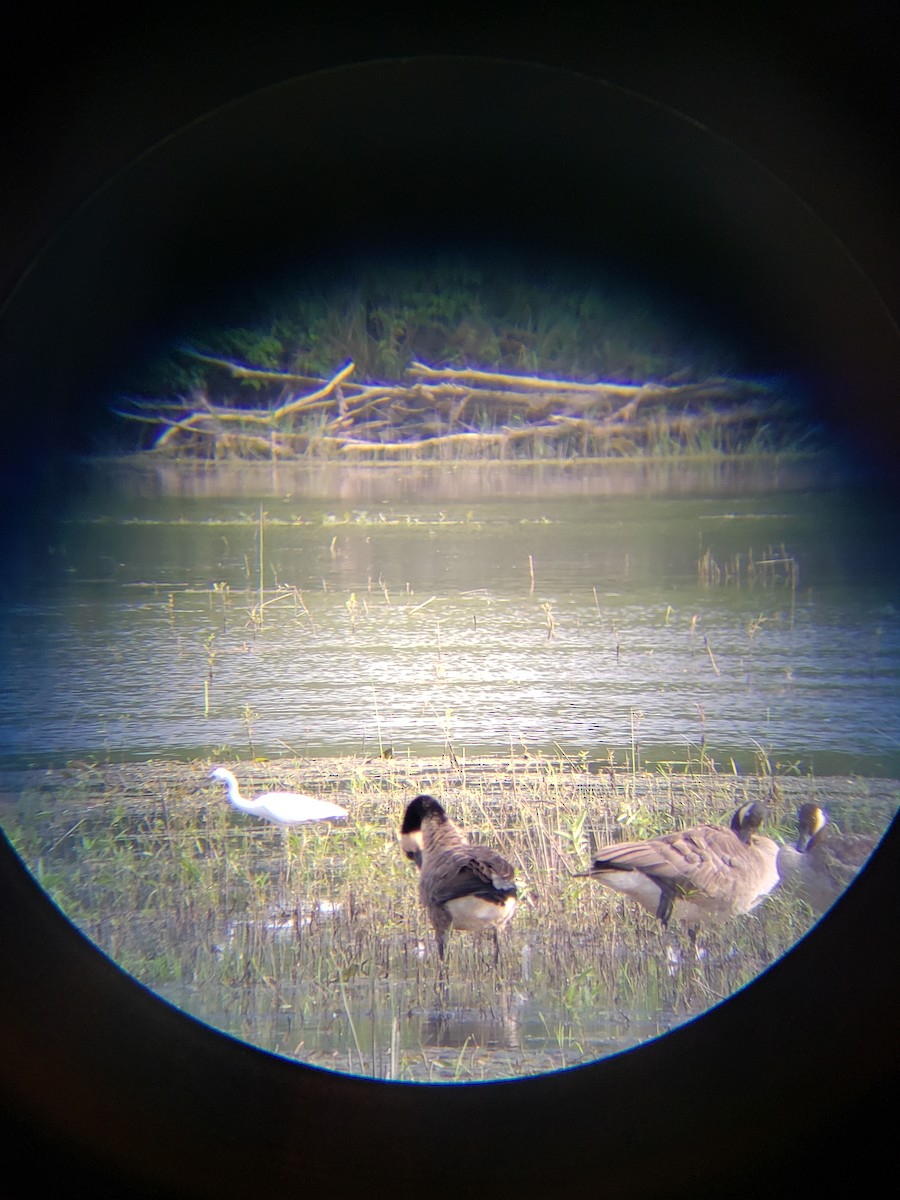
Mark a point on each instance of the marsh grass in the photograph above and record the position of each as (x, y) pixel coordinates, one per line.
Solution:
(314, 945)
(775, 566)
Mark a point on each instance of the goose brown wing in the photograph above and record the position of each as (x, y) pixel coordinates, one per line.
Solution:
(848, 850)
(469, 871)
(835, 862)
(687, 861)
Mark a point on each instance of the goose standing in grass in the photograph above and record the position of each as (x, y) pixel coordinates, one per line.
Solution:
(282, 808)
(709, 872)
(461, 886)
(822, 863)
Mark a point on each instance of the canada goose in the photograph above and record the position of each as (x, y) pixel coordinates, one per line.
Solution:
(282, 808)
(709, 872)
(822, 863)
(461, 886)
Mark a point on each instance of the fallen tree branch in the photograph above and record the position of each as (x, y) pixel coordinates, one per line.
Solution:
(239, 371)
(470, 436)
(195, 420)
(448, 406)
(421, 371)
(304, 402)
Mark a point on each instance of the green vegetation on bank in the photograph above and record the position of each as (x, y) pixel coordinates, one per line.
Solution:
(448, 314)
(457, 361)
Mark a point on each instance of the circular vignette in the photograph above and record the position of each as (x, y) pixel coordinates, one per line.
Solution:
(413, 156)
(127, 1090)
(409, 159)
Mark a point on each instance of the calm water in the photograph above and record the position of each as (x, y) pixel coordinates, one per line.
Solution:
(760, 631)
(743, 627)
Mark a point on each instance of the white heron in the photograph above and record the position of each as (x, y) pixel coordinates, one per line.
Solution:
(282, 808)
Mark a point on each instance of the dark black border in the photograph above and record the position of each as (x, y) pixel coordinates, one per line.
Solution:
(102, 1082)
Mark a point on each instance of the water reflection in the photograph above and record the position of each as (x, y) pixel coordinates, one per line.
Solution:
(561, 669)
(592, 626)
(447, 481)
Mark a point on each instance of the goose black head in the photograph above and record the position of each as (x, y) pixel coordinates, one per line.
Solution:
(748, 820)
(423, 808)
(418, 811)
(810, 821)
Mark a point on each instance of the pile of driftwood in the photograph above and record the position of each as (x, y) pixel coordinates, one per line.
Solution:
(460, 411)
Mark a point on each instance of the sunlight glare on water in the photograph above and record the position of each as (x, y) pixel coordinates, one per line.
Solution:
(412, 627)
(559, 670)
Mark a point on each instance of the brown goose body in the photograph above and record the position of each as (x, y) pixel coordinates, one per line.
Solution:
(461, 886)
(706, 873)
(822, 863)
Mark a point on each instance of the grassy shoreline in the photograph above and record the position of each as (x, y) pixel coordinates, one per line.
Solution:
(316, 947)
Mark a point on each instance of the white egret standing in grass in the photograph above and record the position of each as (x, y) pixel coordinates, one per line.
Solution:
(281, 808)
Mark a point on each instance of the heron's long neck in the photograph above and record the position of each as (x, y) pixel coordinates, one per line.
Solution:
(234, 792)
